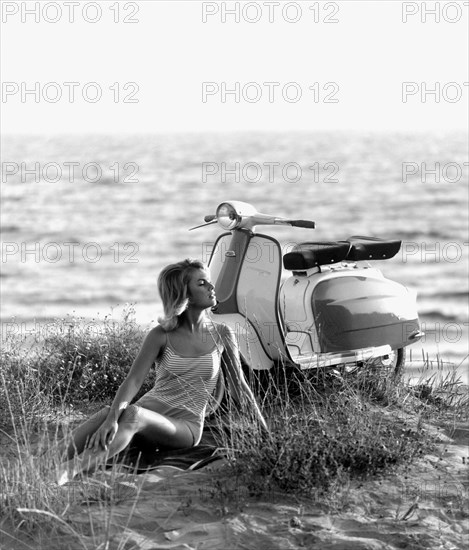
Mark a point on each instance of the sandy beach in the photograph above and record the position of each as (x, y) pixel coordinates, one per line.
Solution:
(420, 506)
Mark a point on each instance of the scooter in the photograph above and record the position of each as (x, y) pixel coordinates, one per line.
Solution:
(333, 310)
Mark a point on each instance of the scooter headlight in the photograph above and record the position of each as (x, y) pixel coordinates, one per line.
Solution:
(227, 216)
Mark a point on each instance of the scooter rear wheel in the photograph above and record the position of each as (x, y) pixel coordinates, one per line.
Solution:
(389, 365)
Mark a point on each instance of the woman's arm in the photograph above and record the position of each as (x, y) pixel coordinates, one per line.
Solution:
(237, 383)
(149, 351)
(151, 347)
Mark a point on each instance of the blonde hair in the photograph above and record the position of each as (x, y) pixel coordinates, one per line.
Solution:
(172, 286)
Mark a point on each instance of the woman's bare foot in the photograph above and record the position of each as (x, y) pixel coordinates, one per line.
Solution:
(66, 473)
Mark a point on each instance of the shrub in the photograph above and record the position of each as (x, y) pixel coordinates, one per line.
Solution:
(79, 362)
(328, 430)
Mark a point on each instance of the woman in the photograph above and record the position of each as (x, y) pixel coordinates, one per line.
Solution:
(188, 348)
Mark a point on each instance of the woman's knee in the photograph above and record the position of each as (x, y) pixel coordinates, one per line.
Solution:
(103, 413)
(130, 417)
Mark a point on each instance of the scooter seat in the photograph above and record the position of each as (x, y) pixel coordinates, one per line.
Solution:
(371, 248)
(354, 249)
(308, 255)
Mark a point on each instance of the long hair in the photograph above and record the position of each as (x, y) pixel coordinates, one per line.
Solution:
(172, 286)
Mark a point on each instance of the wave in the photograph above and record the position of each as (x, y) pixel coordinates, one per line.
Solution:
(10, 228)
(456, 294)
(77, 301)
(435, 314)
(431, 235)
(54, 236)
(438, 295)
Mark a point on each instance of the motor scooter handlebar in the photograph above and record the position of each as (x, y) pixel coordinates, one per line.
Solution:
(247, 217)
(303, 223)
(267, 220)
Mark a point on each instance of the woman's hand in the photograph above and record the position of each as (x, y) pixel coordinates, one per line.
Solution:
(104, 435)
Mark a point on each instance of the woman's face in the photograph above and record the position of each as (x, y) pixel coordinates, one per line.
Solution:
(200, 289)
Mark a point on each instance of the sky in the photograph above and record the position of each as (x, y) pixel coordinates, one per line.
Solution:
(157, 66)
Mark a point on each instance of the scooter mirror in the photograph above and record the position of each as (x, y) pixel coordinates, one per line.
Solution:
(227, 216)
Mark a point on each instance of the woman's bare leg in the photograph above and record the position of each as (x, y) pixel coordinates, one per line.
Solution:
(155, 427)
(75, 443)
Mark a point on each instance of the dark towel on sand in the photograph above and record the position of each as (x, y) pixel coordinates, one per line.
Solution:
(140, 459)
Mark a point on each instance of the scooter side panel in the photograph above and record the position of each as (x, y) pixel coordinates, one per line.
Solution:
(358, 311)
(347, 309)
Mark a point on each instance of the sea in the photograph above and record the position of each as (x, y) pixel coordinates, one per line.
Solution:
(88, 221)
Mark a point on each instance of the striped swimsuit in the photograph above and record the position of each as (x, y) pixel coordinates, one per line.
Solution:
(183, 386)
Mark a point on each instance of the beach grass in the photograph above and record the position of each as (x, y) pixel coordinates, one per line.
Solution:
(335, 427)
(327, 429)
